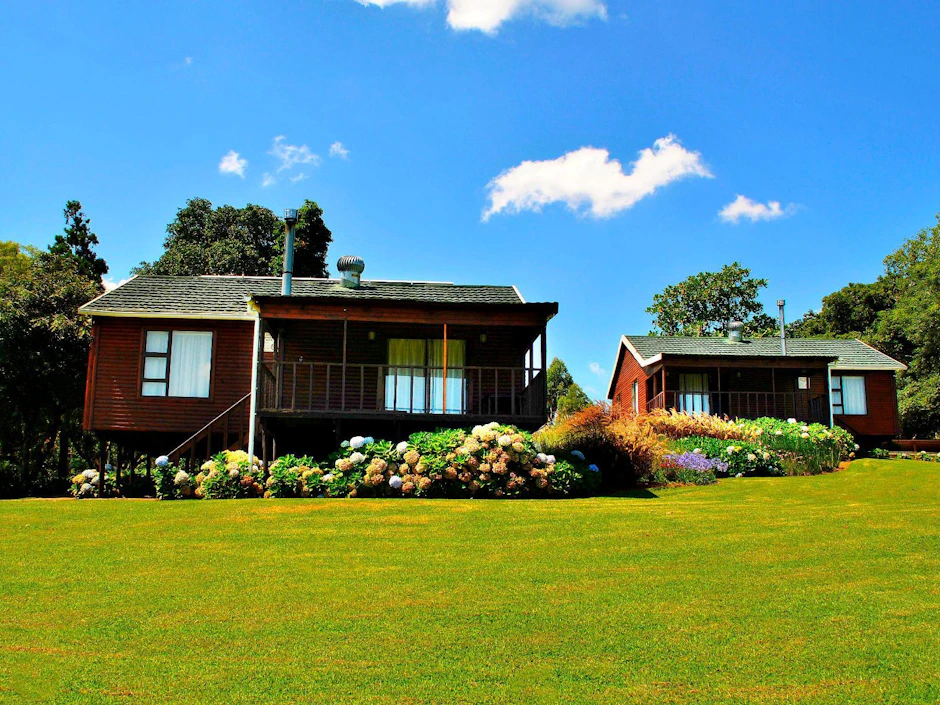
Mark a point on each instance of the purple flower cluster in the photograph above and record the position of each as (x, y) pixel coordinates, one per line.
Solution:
(697, 462)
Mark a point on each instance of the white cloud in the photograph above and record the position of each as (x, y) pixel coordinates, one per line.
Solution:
(291, 154)
(744, 207)
(267, 180)
(338, 149)
(596, 369)
(589, 178)
(488, 15)
(300, 177)
(110, 284)
(233, 163)
(188, 60)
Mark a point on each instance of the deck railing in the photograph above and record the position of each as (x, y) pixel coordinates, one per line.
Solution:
(304, 387)
(746, 404)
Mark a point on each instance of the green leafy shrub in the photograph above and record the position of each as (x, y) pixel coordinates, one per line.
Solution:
(742, 457)
(288, 476)
(879, 453)
(803, 448)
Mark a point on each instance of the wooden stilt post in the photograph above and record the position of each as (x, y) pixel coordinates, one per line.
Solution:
(102, 461)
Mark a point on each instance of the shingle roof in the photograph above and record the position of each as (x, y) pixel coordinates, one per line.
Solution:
(225, 296)
(849, 354)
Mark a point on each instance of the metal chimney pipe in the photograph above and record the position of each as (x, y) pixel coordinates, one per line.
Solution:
(290, 217)
(781, 303)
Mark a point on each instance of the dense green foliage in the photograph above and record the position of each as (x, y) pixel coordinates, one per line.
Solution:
(44, 356)
(565, 396)
(899, 314)
(768, 590)
(704, 303)
(249, 240)
(491, 461)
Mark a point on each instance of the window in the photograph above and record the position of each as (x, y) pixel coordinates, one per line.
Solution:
(635, 392)
(177, 364)
(849, 397)
(694, 396)
(802, 382)
(415, 377)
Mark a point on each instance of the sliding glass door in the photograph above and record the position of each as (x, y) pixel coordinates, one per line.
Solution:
(414, 380)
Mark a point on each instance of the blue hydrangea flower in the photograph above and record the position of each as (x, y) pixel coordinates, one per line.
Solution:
(163, 461)
(577, 454)
(593, 468)
(344, 444)
(369, 440)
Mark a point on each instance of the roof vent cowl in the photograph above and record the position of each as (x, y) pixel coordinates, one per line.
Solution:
(350, 269)
(735, 332)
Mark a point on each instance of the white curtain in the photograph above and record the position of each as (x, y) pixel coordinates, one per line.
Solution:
(405, 384)
(693, 394)
(190, 364)
(853, 396)
(456, 359)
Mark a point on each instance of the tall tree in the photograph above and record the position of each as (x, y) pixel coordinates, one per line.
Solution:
(44, 352)
(704, 303)
(573, 400)
(248, 241)
(558, 380)
(78, 243)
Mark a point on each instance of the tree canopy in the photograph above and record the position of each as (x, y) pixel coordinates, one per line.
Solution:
(899, 314)
(44, 352)
(703, 304)
(565, 396)
(203, 239)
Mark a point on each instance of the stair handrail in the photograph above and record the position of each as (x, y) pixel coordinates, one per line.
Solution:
(174, 454)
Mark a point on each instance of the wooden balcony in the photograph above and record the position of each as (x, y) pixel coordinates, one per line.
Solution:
(746, 405)
(335, 390)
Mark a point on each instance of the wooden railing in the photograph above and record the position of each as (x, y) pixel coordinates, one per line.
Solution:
(399, 389)
(230, 429)
(745, 405)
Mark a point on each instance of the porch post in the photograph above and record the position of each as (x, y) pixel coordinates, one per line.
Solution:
(832, 420)
(342, 405)
(253, 403)
(444, 408)
(544, 369)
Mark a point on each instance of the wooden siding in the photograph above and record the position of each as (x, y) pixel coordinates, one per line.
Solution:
(113, 400)
(882, 403)
(628, 371)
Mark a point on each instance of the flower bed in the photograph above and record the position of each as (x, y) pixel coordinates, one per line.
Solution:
(488, 461)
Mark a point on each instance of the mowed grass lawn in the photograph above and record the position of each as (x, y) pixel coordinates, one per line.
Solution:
(799, 590)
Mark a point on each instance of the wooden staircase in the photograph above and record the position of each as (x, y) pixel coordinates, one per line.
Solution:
(227, 431)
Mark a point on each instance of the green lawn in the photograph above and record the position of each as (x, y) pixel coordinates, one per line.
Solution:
(798, 590)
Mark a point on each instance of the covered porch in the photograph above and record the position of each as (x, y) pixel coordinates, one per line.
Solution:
(441, 366)
(746, 389)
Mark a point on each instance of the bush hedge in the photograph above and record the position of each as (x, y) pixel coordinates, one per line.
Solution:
(488, 461)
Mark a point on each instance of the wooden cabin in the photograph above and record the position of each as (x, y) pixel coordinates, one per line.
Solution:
(833, 382)
(189, 365)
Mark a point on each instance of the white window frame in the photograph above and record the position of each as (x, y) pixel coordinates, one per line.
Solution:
(148, 382)
(635, 393)
(836, 398)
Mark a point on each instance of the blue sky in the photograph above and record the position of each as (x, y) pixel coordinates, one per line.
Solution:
(827, 109)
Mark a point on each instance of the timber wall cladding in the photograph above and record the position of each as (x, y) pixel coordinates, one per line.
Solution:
(113, 400)
(882, 417)
(628, 371)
